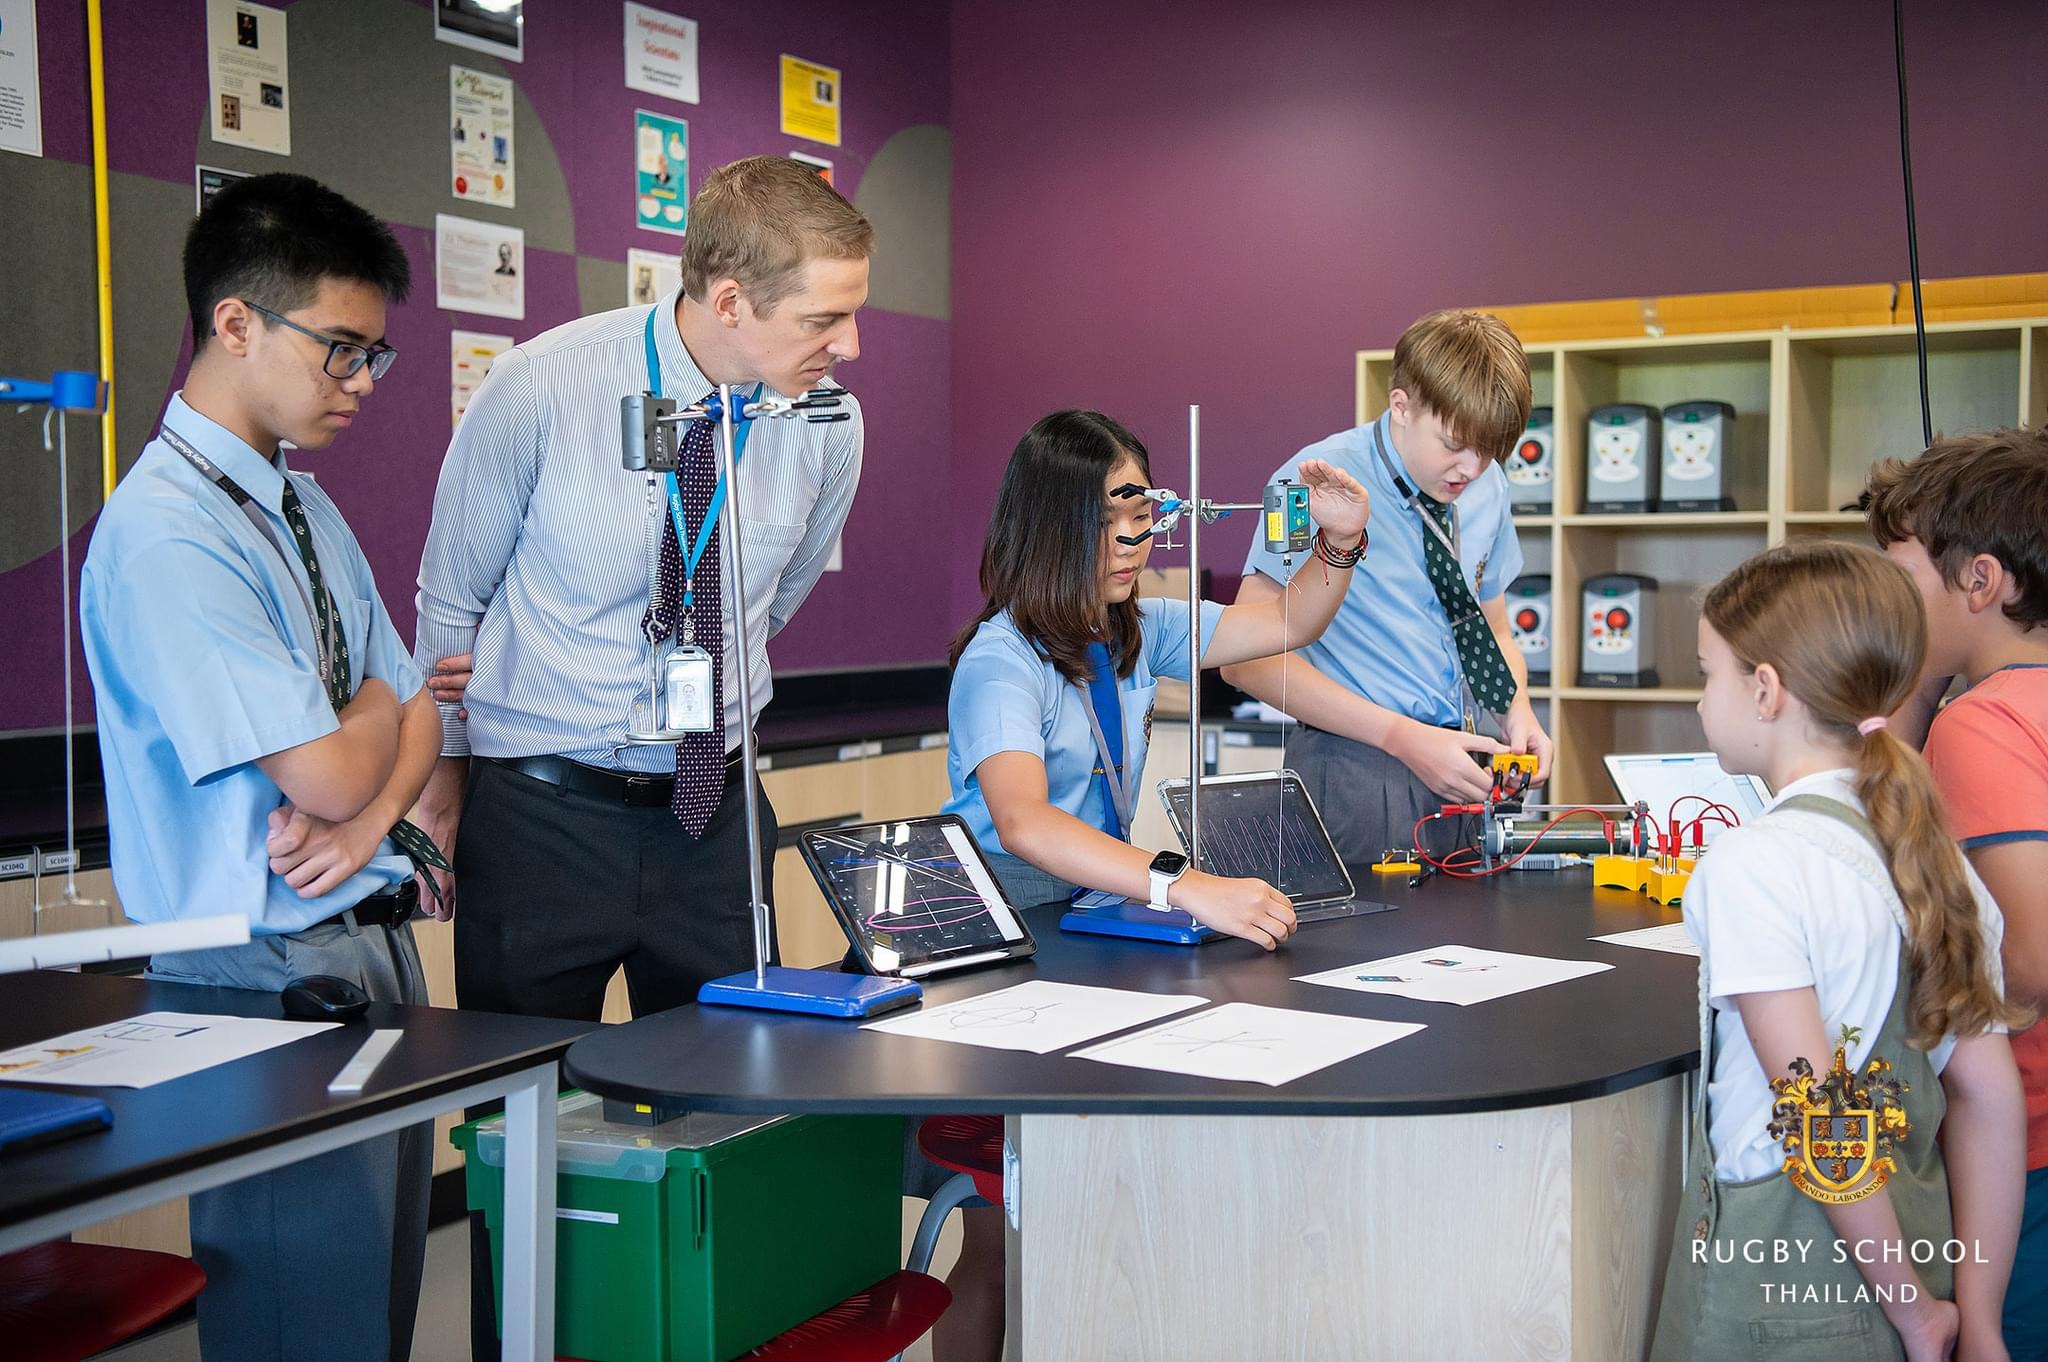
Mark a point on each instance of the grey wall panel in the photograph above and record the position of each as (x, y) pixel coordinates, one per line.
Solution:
(366, 123)
(906, 193)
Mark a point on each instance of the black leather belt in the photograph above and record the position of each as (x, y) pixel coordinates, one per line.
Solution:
(621, 787)
(388, 909)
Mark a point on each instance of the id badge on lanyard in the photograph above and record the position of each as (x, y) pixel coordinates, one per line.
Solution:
(1461, 692)
(687, 678)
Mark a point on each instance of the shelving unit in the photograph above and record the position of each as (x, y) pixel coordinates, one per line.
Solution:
(1814, 409)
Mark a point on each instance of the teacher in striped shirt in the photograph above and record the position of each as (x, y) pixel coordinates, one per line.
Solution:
(575, 851)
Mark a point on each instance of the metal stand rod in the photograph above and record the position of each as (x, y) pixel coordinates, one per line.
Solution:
(736, 593)
(1195, 638)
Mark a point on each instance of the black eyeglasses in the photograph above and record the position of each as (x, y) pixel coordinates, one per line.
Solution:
(349, 356)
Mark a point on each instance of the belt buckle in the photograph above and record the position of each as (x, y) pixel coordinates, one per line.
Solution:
(637, 787)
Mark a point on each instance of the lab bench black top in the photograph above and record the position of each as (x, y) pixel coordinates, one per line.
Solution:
(248, 1104)
(1585, 1038)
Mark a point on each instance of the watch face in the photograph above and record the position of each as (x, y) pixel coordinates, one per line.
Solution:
(1169, 863)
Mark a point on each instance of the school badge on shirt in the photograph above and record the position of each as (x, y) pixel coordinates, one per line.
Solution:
(1839, 1131)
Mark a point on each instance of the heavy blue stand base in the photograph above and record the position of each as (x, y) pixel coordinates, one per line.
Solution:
(1134, 921)
(818, 992)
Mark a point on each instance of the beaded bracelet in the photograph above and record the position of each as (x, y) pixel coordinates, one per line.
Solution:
(1338, 558)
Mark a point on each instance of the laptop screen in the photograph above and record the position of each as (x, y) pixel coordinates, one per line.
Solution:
(1263, 825)
(1661, 779)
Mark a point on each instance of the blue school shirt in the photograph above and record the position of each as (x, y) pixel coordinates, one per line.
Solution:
(1007, 697)
(203, 658)
(1390, 641)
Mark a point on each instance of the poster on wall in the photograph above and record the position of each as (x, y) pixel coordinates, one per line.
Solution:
(817, 163)
(246, 68)
(661, 53)
(480, 137)
(651, 275)
(470, 359)
(479, 267)
(661, 172)
(810, 100)
(21, 92)
(494, 26)
(210, 180)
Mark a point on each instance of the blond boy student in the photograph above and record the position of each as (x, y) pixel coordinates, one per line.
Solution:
(1969, 520)
(1391, 697)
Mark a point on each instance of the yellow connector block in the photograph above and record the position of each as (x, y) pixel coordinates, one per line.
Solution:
(1397, 868)
(1668, 886)
(1623, 872)
(1505, 762)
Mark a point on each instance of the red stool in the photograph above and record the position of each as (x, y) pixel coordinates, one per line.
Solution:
(60, 1301)
(972, 1146)
(873, 1325)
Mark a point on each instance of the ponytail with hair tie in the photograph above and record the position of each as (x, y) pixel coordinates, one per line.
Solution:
(1847, 632)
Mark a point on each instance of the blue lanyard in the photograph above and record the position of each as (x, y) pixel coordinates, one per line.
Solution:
(693, 552)
(1106, 718)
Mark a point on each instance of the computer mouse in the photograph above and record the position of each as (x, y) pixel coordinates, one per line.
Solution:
(324, 997)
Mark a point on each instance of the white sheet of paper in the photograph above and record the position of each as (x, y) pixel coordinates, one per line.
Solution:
(1668, 937)
(1248, 1043)
(1454, 974)
(480, 159)
(153, 1048)
(1039, 1016)
(479, 267)
(470, 356)
(21, 94)
(661, 53)
(248, 79)
(651, 275)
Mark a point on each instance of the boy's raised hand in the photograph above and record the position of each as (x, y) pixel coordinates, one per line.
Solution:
(1337, 500)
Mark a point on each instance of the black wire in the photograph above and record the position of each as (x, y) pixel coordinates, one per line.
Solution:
(1912, 228)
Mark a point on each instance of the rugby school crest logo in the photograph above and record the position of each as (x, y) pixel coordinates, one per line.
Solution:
(1839, 1131)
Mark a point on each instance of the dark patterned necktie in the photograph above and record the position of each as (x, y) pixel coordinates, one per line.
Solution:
(408, 836)
(1486, 670)
(700, 757)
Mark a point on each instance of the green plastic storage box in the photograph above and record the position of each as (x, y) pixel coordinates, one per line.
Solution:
(697, 1240)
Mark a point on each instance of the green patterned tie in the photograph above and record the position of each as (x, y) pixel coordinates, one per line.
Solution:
(1486, 670)
(409, 836)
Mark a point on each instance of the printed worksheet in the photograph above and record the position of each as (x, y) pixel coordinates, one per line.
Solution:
(1454, 974)
(153, 1048)
(1248, 1043)
(1668, 937)
(1039, 1016)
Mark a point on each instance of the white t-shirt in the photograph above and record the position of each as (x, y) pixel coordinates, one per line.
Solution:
(1797, 901)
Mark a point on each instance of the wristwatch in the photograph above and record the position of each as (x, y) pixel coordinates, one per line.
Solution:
(1167, 867)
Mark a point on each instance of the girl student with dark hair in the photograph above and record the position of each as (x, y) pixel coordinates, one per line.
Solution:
(1845, 919)
(1053, 682)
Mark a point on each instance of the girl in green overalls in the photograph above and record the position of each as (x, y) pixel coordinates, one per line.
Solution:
(1846, 905)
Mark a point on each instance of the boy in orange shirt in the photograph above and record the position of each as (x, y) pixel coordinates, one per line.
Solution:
(1969, 520)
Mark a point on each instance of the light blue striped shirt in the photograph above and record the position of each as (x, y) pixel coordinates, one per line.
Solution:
(537, 559)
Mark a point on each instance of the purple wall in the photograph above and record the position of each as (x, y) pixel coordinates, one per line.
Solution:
(894, 60)
(1222, 206)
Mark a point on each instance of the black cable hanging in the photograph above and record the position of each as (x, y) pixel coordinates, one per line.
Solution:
(1912, 227)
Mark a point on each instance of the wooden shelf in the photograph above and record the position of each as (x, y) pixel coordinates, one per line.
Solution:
(1814, 407)
(1668, 520)
(1848, 519)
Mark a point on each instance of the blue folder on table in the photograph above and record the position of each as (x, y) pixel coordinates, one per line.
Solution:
(29, 1117)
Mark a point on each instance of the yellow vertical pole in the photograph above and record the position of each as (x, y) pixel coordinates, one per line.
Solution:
(103, 241)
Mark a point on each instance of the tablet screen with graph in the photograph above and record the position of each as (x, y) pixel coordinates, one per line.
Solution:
(1263, 825)
(915, 897)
